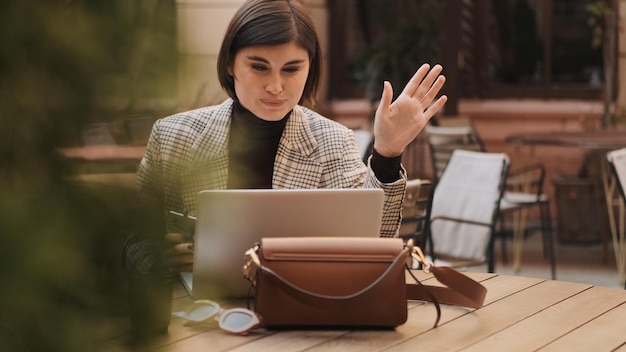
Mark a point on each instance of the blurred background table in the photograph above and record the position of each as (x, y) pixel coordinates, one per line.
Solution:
(92, 159)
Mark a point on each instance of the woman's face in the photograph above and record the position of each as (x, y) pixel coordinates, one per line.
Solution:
(269, 80)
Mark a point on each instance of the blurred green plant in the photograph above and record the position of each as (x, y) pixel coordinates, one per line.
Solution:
(59, 283)
(597, 10)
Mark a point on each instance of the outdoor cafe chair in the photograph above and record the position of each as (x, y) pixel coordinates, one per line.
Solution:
(414, 208)
(463, 211)
(523, 190)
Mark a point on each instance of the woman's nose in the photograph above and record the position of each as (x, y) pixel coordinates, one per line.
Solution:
(274, 85)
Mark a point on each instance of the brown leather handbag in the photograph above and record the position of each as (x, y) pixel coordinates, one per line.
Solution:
(346, 282)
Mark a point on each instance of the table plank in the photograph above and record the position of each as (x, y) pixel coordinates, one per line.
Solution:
(600, 334)
(296, 340)
(472, 328)
(211, 339)
(554, 322)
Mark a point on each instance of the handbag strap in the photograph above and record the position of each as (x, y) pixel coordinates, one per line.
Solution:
(459, 289)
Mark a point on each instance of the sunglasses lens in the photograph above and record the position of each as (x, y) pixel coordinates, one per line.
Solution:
(201, 313)
(202, 310)
(238, 320)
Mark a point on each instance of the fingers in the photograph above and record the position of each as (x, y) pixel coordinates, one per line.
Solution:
(179, 249)
(187, 267)
(435, 107)
(180, 256)
(180, 260)
(431, 85)
(183, 248)
(176, 238)
(414, 82)
(386, 97)
(432, 92)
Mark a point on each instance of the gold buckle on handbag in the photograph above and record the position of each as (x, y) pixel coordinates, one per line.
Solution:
(417, 254)
(251, 258)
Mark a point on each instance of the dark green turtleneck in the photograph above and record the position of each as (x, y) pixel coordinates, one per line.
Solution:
(252, 149)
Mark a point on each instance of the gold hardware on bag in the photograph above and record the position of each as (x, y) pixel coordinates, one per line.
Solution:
(417, 254)
(251, 258)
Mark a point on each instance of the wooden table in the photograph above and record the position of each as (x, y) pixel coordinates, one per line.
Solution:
(599, 142)
(520, 314)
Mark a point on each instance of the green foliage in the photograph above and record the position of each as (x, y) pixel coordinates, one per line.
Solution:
(399, 36)
(598, 10)
(58, 286)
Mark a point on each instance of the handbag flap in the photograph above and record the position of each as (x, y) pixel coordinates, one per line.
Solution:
(344, 249)
(333, 266)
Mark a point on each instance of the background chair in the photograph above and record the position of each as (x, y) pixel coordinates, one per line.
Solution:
(442, 141)
(523, 190)
(414, 209)
(462, 216)
(617, 165)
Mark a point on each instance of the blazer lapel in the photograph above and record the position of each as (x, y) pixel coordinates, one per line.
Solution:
(295, 166)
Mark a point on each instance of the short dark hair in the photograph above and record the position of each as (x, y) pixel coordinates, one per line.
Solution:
(271, 22)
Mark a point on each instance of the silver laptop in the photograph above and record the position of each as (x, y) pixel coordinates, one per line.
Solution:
(231, 221)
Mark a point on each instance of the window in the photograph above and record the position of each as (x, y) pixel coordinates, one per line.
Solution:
(503, 48)
(543, 48)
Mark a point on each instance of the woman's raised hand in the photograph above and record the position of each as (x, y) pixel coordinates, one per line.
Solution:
(397, 123)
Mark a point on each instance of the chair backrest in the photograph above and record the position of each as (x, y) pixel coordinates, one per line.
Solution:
(617, 163)
(414, 209)
(465, 205)
(442, 141)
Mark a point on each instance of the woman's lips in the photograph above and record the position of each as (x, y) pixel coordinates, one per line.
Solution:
(273, 103)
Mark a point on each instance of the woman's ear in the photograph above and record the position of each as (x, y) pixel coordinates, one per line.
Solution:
(229, 70)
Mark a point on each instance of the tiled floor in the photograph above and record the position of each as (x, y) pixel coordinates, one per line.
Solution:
(574, 262)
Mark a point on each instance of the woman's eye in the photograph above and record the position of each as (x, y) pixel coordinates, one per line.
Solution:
(259, 68)
(291, 69)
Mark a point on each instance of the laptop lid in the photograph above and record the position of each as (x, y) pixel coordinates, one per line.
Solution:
(232, 221)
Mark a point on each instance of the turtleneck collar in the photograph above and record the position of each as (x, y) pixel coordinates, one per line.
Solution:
(248, 123)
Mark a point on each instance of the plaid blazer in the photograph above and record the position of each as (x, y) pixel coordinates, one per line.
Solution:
(188, 152)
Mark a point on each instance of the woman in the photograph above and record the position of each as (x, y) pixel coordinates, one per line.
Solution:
(264, 137)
